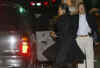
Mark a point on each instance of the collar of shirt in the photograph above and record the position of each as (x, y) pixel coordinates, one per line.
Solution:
(82, 15)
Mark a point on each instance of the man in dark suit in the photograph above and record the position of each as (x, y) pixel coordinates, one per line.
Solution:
(84, 28)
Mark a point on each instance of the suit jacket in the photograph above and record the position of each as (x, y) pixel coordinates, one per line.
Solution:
(67, 50)
(91, 22)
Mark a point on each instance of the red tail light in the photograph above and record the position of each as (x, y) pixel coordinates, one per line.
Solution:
(32, 3)
(25, 48)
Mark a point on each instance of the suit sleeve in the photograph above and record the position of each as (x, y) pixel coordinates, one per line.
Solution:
(96, 33)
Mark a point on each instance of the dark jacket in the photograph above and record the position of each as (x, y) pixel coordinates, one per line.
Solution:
(91, 22)
(67, 50)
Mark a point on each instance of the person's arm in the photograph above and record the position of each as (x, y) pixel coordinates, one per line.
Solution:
(53, 35)
(96, 32)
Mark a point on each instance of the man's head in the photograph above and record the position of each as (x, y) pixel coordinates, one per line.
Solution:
(81, 8)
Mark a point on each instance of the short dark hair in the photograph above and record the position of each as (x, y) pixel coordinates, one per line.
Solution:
(65, 7)
(81, 3)
(85, 7)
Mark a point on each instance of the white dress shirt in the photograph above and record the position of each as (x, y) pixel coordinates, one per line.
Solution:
(83, 28)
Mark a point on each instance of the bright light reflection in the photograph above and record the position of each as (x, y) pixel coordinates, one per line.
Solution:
(38, 4)
(12, 40)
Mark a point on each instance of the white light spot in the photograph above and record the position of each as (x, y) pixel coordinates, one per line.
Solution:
(38, 4)
(12, 40)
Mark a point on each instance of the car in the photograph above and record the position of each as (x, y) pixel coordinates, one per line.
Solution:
(17, 40)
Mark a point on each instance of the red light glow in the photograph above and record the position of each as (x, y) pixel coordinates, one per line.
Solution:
(53, 1)
(25, 49)
(46, 3)
(32, 3)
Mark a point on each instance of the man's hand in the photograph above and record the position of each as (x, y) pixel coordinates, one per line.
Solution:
(93, 10)
(53, 35)
(97, 43)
